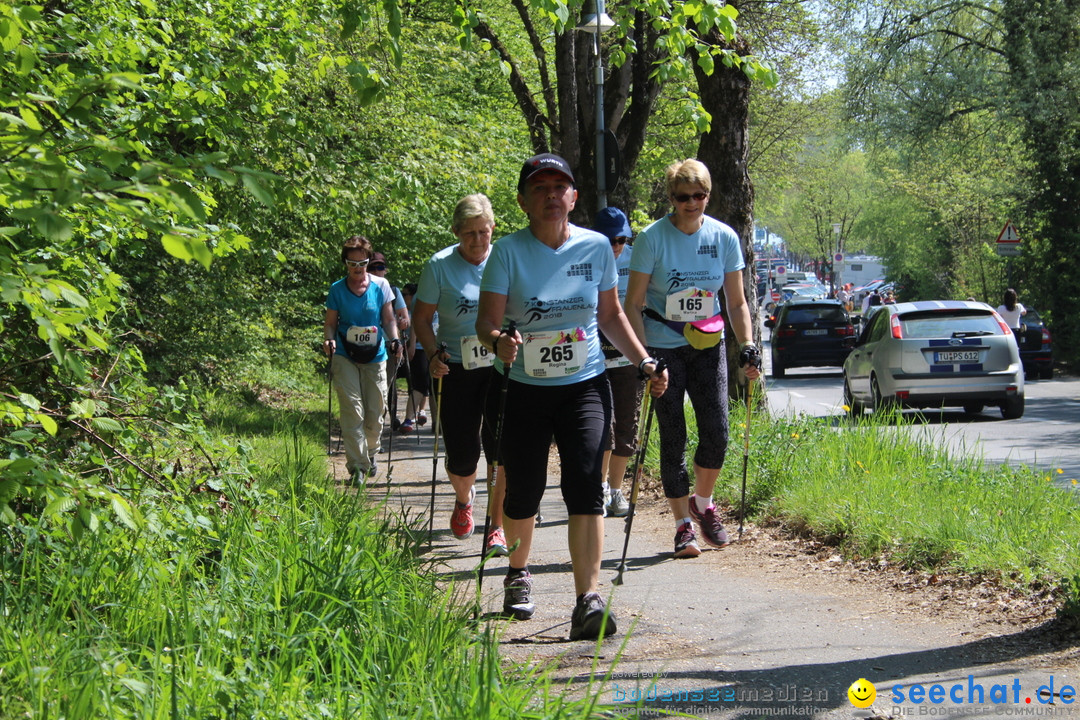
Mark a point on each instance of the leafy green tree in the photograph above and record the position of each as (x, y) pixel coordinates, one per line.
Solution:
(126, 138)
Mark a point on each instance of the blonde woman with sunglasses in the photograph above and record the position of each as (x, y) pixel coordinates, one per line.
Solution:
(681, 265)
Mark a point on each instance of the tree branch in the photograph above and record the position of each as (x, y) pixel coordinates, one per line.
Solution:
(535, 120)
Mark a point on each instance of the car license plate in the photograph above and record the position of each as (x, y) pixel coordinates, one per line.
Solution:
(815, 332)
(956, 356)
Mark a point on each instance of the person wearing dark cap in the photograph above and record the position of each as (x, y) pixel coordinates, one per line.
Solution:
(626, 385)
(558, 283)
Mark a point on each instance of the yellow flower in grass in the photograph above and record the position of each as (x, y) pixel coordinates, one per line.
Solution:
(846, 408)
(795, 435)
(1060, 471)
(1073, 481)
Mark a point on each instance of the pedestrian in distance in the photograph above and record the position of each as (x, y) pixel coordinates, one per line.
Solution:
(417, 378)
(358, 327)
(682, 263)
(626, 385)
(1011, 311)
(555, 280)
(450, 286)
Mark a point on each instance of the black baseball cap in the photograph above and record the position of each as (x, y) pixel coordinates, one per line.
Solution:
(540, 163)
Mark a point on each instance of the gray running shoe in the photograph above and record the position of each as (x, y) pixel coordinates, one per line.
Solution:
(686, 542)
(517, 596)
(618, 506)
(607, 499)
(711, 527)
(589, 620)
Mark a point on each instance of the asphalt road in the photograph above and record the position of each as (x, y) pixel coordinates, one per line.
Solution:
(1047, 437)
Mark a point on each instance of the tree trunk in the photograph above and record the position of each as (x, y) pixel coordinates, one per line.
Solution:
(725, 150)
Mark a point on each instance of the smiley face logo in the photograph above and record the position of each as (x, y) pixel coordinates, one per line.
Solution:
(862, 693)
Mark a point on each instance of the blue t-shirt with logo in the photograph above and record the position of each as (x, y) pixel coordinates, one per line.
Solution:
(622, 268)
(678, 262)
(553, 295)
(452, 284)
(359, 310)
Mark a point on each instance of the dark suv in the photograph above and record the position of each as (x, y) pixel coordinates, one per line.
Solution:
(1035, 346)
(810, 332)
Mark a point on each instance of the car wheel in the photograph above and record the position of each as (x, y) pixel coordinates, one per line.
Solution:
(881, 404)
(777, 367)
(1046, 373)
(973, 408)
(854, 407)
(1013, 408)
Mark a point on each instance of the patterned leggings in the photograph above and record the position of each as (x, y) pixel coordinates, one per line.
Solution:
(701, 374)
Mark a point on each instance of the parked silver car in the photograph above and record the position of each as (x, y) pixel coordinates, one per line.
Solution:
(935, 353)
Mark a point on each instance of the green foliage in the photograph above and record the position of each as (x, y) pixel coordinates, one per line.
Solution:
(256, 592)
(878, 491)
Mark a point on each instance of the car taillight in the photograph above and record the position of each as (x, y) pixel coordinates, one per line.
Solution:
(845, 331)
(785, 332)
(894, 322)
(1005, 329)
(1045, 338)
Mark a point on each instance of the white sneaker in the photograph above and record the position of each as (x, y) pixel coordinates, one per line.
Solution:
(607, 499)
(618, 506)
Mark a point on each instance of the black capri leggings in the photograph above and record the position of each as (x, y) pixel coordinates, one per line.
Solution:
(419, 380)
(701, 374)
(461, 418)
(627, 387)
(577, 416)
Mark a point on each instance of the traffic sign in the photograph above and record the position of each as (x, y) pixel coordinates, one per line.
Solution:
(1008, 241)
(1008, 234)
(838, 257)
(781, 270)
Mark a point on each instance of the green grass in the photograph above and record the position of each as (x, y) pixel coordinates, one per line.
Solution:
(871, 490)
(262, 592)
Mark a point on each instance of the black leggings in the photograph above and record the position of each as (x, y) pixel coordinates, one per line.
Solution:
(701, 374)
(461, 416)
(578, 417)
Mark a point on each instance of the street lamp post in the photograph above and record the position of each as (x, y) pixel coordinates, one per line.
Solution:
(596, 23)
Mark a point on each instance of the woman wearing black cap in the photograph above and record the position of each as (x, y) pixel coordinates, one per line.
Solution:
(557, 282)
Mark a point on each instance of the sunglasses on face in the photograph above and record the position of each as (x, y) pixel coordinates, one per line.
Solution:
(699, 196)
(620, 240)
(356, 263)
(377, 267)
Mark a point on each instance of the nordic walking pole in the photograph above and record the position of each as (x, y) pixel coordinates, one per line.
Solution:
(392, 393)
(511, 330)
(639, 468)
(435, 452)
(329, 400)
(745, 453)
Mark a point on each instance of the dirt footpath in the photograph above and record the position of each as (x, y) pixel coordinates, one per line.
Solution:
(767, 626)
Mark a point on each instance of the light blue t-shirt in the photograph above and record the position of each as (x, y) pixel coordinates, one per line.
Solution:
(678, 263)
(622, 267)
(553, 296)
(359, 310)
(452, 284)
